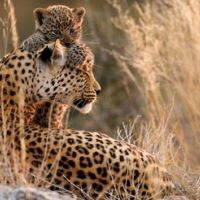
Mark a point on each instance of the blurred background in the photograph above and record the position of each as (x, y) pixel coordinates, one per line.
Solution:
(147, 60)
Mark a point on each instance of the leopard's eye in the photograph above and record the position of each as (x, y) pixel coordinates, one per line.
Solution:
(72, 31)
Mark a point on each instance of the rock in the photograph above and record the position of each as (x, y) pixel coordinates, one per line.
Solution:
(28, 193)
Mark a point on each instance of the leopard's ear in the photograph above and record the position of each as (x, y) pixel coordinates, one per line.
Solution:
(39, 14)
(79, 13)
(58, 57)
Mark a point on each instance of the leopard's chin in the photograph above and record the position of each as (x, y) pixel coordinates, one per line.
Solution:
(86, 109)
(83, 106)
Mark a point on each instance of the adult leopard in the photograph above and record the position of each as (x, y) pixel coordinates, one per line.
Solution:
(86, 163)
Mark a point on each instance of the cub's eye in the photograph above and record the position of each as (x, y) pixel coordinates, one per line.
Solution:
(67, 44)
(56, 32)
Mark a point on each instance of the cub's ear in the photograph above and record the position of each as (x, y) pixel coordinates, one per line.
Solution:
(39, 14)
(58, 57)
(79, 13)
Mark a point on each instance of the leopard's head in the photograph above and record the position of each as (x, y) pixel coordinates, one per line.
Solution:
(65, 75)
(59, 22)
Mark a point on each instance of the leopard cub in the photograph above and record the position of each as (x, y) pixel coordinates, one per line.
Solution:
(55, 22)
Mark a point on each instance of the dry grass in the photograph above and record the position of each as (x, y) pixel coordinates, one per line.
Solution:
(8, 26)
(13, 21)
(11, 170)
(163, 47)
(161, 57)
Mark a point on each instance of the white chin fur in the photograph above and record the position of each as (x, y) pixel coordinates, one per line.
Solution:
(86, 108)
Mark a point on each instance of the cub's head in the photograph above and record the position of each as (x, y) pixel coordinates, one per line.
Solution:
(65, 75)
(59, 22)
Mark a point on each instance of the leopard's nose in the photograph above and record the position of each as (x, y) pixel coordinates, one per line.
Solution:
(98, 91)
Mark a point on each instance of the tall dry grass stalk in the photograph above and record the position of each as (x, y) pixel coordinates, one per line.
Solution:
(162, 57)
(11, 170)
(13, 21)
(8, 23)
